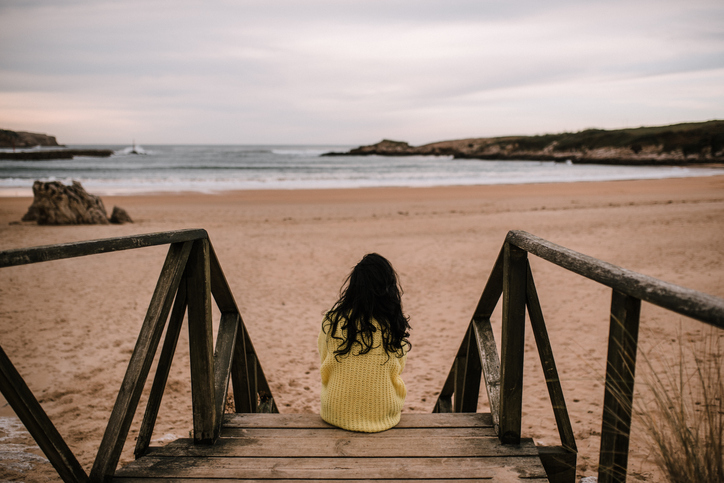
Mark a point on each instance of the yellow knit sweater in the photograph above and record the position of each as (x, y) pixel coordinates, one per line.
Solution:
(360, 392)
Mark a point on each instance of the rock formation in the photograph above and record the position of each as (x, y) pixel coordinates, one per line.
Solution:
(57, 204)
(680, 144)
(55, 154)
(119, 216)
(20, 139)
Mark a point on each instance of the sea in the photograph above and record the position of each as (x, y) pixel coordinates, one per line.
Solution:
(218, 168)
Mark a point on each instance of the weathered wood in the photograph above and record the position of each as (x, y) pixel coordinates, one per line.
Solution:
(225, 342)
(459, 368)
(254, 388)
(618, 396)
(173, 330)
(321, 445)
(203, 394)
(240, 376)
(38, 424)
(219, 286)
(444, 399)
(694, 304)
(334, 433)
(545, 352)
(314, 421)
(266, 400)
(492, 291)
(23, 256)
(490, 364)
(559, 463)
(512, 343)
(443, 405)
(473, 376)
(254, 480)
(127, 400)
(336, 468)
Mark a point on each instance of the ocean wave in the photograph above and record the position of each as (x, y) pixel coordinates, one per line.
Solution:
(223, 168)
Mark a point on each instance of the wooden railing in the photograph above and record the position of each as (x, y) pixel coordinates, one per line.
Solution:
(477, 359)
(191, 277)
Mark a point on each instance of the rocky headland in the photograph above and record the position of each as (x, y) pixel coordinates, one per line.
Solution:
(24, 140)
(679, 144)
(21, 139)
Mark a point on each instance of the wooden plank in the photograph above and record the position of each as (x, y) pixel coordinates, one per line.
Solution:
(443, 405)
(338, 433)
(225, 342)
(555, 391)
(512, 343)
(244, 393)
(317, 446)
(46, 253)
(201, 355)
(219, 286)
(491, 365)
(162, 371)
(493, 289)
(234, 480)
(459, 369)
(473, 376)
(559, 463)
(126, 403)
(308, 420)
(444, 399)
(336, 468)
(697, 305)
(252, 381)
(618, 396)
(38, 424)
(266, 401)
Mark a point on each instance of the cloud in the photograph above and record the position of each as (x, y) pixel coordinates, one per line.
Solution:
(351, 72)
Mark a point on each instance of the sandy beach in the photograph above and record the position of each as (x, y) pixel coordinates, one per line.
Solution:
(69, 326)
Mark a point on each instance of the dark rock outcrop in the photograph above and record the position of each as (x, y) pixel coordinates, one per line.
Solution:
(59, 154)
(57, 204)
(680, 144)
(21, 139)
(119, 216)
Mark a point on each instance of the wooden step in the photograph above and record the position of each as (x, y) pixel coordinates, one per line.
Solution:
(294, 447)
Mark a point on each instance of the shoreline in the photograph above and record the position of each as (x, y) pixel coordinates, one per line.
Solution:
(120, 192)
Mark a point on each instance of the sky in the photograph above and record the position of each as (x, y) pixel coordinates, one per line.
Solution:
(354, 72)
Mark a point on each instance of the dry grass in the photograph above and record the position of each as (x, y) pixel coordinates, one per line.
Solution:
(682, 412)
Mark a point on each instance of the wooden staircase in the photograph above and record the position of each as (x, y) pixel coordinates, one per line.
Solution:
(256, 443)
(302, 447)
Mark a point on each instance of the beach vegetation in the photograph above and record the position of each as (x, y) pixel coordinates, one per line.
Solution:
(689, 138)
(681, 409)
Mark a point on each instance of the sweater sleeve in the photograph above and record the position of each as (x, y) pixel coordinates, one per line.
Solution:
(322, 345)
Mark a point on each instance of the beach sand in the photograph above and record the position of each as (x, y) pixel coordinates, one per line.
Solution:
(69, 326)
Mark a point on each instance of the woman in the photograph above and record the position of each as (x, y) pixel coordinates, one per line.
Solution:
(363, 348)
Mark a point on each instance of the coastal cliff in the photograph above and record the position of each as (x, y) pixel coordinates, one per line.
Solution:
(20, 139)
(23, 140)
(679, 144)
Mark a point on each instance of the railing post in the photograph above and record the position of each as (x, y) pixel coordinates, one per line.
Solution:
(618, 397)
(473, 375)
(201, 350)
(512, 343)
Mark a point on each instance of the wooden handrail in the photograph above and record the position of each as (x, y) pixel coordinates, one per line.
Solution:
(697, 305)
(512, 279)
(190, 279)
(46, 253)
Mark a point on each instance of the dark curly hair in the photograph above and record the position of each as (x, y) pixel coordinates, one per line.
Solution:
(371, 291)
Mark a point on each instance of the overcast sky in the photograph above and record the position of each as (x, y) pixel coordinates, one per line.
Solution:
(354, 72)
